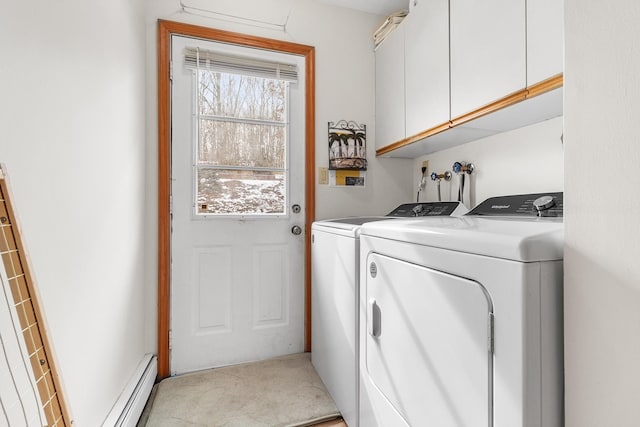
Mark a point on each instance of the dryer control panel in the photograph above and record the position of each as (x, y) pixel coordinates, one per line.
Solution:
(524, 205)
(409, 210)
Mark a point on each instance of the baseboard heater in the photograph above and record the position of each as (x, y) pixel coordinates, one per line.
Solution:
(129, 406)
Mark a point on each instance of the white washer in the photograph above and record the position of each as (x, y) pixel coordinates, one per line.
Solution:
(334, 296)
(461, 318)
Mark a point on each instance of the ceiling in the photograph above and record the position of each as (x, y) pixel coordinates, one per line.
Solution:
(378, 7)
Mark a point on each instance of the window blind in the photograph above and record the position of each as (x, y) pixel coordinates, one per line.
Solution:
(225, 63)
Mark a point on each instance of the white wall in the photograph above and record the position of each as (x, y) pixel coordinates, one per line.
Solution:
(525, 160)
(72, 137)
(602, 272)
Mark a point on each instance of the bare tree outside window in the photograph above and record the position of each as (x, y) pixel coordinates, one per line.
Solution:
(242, 140)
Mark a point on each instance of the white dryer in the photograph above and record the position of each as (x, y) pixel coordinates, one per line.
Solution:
(334, 296)
(461, 318)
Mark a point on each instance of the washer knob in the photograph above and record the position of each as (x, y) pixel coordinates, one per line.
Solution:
(543, 203)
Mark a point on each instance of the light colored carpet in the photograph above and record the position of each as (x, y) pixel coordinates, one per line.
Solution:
(284, 391)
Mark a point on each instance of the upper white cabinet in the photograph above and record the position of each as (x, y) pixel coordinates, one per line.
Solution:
(426, 65)
(488, 52)
(455, 70)
(545, 30)
(390, 109)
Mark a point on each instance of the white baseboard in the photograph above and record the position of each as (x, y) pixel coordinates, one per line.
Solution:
(129, 406)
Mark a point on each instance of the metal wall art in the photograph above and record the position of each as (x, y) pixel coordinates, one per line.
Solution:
(347, 145)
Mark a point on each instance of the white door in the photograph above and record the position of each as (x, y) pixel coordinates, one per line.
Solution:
(237, 272)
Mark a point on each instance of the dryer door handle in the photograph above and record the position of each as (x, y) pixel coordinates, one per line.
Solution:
(374, 318)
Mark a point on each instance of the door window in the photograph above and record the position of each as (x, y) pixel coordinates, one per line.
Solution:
(241, 137)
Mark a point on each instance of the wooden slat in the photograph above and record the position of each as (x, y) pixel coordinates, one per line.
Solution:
(32, 321)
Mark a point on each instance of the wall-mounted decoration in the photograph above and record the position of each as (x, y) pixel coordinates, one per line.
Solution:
(347, 145)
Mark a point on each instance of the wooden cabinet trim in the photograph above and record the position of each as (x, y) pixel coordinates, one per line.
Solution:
(410, 140)
(540, 88)
(545, 86)
(497, 105)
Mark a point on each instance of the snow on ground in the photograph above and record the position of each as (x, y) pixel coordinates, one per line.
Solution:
(242, 196)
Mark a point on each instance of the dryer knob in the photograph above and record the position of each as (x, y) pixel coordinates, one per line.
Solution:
(417, 209)
(543, 203)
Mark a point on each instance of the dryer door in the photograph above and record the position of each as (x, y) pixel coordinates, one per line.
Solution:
(428, 350)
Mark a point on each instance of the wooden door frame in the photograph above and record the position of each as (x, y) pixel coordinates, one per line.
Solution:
(165, 30)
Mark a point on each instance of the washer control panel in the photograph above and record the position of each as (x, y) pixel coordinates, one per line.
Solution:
(409, 210)
(528, 205)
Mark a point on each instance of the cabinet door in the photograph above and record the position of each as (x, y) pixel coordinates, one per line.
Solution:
(487, 52)
(545, 32)
(427, 65)
(390, 112)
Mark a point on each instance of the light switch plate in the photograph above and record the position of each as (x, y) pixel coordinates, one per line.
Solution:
(323, 176)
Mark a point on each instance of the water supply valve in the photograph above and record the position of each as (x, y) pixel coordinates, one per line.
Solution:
(463, 167)
(439, 176)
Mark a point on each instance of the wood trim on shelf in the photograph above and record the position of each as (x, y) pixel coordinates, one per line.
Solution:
(165, 30)
(534, 90)
(407, 141)
(545, 86)
(492, 107)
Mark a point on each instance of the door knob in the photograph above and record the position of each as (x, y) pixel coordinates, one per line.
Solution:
(296, 229)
